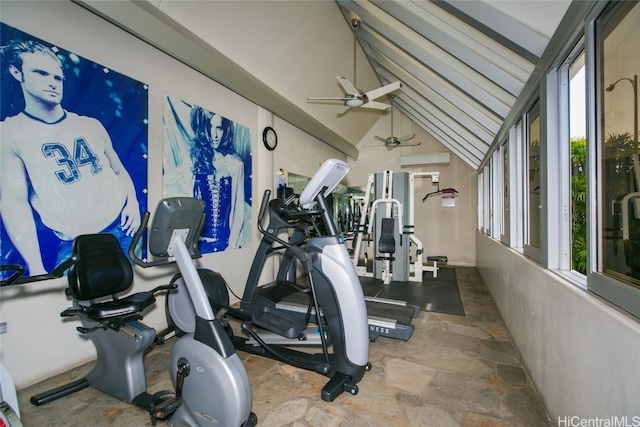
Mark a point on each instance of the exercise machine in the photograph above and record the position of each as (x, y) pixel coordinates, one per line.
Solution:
(387, 220)
(385, 317)
(210, 382)
(335, 293)
(9, 408)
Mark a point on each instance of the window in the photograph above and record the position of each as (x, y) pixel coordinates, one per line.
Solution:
(487, 198)
(516, 164)
(577, 164)
(570, 169)
(481, 201)
(615, 274)
(496, 195)
(504, 191)
(533, 183)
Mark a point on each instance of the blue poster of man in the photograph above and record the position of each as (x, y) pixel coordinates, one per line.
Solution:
(73, 159)
(208, 156)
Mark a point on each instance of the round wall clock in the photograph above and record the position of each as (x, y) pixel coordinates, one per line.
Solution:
(270, 138)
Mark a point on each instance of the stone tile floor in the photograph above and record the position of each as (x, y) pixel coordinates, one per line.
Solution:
(458, 371)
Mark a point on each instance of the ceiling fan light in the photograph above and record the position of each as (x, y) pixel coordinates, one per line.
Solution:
(355, 102)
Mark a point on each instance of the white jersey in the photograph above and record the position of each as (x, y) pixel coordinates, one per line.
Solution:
(75, 190)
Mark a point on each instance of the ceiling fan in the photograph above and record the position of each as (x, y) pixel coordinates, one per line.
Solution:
(392, 142)
(355, 97)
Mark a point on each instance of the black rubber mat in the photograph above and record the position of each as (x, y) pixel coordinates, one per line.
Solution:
(439, 295)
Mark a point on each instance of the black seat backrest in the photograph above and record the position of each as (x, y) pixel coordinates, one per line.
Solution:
(387, 241)
(102, 268)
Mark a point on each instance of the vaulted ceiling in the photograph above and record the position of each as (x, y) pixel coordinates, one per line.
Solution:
(462, 64)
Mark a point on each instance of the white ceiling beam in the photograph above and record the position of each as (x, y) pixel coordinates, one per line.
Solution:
(386, 54)
(449, 68)
(508, 60)
(437, 114)
(449, 143)
(414, 109)
(447, 38)
(390, 70)
(513, 34)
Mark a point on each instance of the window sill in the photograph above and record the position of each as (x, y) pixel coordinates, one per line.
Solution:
(577, 279)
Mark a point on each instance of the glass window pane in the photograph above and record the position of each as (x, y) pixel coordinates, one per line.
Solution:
(578, 152)
(534, 180)
(505, 190)
(487, 198)
(618, 35)
(481, 201)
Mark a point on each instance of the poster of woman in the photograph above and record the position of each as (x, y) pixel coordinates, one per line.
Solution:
(73, 154)
(208, 156)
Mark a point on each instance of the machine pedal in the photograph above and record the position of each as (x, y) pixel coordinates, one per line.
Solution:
(279, 322)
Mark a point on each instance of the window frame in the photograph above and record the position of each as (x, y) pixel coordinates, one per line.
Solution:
(496, 195)
(504, 189)
(516, 178)
(481, 203)
(559, 167)
(623, 295)
(486, 183)
(533, 112)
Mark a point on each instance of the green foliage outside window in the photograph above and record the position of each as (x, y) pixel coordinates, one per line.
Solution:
(619, 181)
(578, 205)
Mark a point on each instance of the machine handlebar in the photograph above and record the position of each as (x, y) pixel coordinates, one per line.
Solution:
(134, 243)
(17, 279)
(263, 206)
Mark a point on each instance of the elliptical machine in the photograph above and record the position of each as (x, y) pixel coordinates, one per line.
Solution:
(335, 293)
(386, 317)
(211, 384)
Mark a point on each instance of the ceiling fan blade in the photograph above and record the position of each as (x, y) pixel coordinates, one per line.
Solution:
(376, 105)
(343, 109)
(379, 138)
(377, 93)
(407, 137)
(410, 144)
(348, 87)
(331, 98)
(373, 145)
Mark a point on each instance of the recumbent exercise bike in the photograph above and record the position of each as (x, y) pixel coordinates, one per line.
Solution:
(211, 385)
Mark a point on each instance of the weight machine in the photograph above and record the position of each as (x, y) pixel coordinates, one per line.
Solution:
(388, 222)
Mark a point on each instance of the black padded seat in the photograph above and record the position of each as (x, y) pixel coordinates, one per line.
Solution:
(103, 270)
(387, 242)
(121, 307)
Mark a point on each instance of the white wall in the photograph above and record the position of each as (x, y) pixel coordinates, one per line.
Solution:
(582, 354)
(448, 231)
(39, 344)
(298, 152)
(297, 48)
